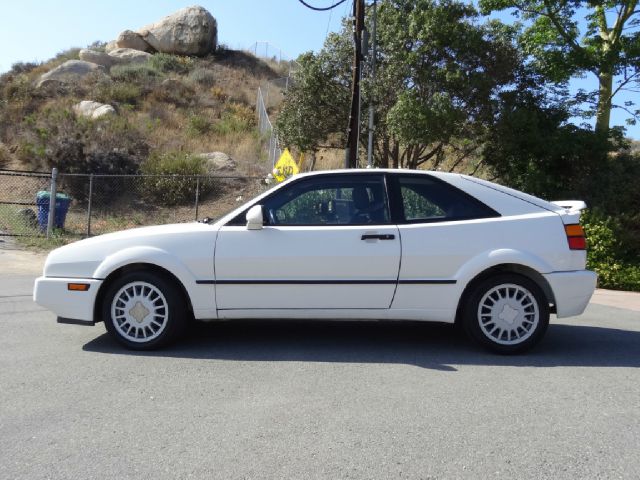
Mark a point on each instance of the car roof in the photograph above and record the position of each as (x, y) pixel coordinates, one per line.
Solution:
(456, 179)
(356, 171)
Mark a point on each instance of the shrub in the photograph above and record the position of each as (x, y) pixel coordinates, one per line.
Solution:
(18, 99)
(98, 45)
(173, 91)
(56, 138)
(110, 146)
(69, 54)
(167, 63)
(198, 125)
(219, 94)
(237, 118)
(23, 67)
(203, 76)
(164, 186)
(144, 74)
(617, 266)
(20, 89)
(119, 93)
(5, 156)
(106, 190)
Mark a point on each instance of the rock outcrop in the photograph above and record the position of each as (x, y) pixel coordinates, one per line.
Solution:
(189, 31)
(216, 162)
(93, 110)
(117, 56)
(97, 57)
(70, 71)
(131, 39)
(129, 55)
(112, 45)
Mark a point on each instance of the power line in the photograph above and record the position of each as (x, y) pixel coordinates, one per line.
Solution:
(322, 9)
(329, 23)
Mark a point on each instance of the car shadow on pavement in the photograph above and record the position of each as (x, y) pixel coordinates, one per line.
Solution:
(426, 345)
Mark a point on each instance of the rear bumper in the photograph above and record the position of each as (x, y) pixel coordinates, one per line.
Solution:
(53, 294)
(572, 291)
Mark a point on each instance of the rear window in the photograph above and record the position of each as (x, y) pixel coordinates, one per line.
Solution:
(425, 199)
(538, 202)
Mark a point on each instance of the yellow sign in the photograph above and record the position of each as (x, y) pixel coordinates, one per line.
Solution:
(285, 167)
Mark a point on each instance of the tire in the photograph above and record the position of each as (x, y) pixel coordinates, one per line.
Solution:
(144, 311)
(506, 313)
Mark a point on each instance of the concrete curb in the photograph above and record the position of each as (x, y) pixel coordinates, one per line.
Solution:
(617, 298)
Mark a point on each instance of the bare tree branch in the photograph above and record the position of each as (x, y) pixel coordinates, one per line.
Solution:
(628, 11)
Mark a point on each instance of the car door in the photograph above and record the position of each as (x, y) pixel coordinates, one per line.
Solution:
(327, 243)
(441, 228)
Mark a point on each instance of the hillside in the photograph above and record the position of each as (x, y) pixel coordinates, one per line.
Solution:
(167, 103)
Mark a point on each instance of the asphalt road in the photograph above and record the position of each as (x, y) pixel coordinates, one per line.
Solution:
(316, 400)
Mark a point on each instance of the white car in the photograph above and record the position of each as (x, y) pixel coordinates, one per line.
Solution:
(346, 244)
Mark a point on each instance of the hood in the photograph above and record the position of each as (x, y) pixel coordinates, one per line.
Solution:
(80, 259)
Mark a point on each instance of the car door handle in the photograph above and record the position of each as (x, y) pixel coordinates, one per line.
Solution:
(376, 236)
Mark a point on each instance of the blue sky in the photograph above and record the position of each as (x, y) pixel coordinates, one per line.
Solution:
(35, 30)
(38, 29)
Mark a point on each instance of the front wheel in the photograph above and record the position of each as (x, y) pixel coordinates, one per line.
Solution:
(506, 313)
(143, 311)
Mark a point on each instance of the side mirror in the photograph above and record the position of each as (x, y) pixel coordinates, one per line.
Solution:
(255, 220)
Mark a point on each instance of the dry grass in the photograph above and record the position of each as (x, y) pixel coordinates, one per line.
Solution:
(6, 157)
(329, 159)
(185, 114)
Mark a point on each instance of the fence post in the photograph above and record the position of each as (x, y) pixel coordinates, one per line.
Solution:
(197, 195)
(52, 202)
(89, 205)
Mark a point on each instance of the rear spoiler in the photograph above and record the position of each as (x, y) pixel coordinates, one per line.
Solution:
(571, 206)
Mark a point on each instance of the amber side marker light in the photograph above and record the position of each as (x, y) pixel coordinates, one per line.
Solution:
(78, 287)
(575, 237)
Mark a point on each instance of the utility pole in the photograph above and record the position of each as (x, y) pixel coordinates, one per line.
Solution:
(372, 97)
(351, 152)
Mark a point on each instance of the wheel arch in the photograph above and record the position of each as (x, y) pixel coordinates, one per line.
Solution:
(515, 268)
(133, 267)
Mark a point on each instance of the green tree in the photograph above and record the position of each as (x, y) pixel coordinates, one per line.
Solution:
(438, 72)
(569, 38)
(449, 69)
(317, 102)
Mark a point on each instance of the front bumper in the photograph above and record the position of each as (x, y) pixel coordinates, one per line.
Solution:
(572, 291)
(53, 294)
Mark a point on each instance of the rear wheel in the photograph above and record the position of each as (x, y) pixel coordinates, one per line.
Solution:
(507, 313)
(143, 311)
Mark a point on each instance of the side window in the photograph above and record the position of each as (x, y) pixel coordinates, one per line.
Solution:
(417, 206)
(328, 200)
(425, 199)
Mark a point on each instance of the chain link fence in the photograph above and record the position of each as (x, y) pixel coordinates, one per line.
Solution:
(106, 203)
(271, 94)
(271, 144)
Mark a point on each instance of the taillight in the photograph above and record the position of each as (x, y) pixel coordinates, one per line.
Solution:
(575, 237)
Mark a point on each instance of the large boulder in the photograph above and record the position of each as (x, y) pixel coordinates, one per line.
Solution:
(216, 162)
(116, 56)
(93, 110)
(129, 55)
(189, 31)
(97, 57)
(131, 39)
(112, 45)
(70, 71)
